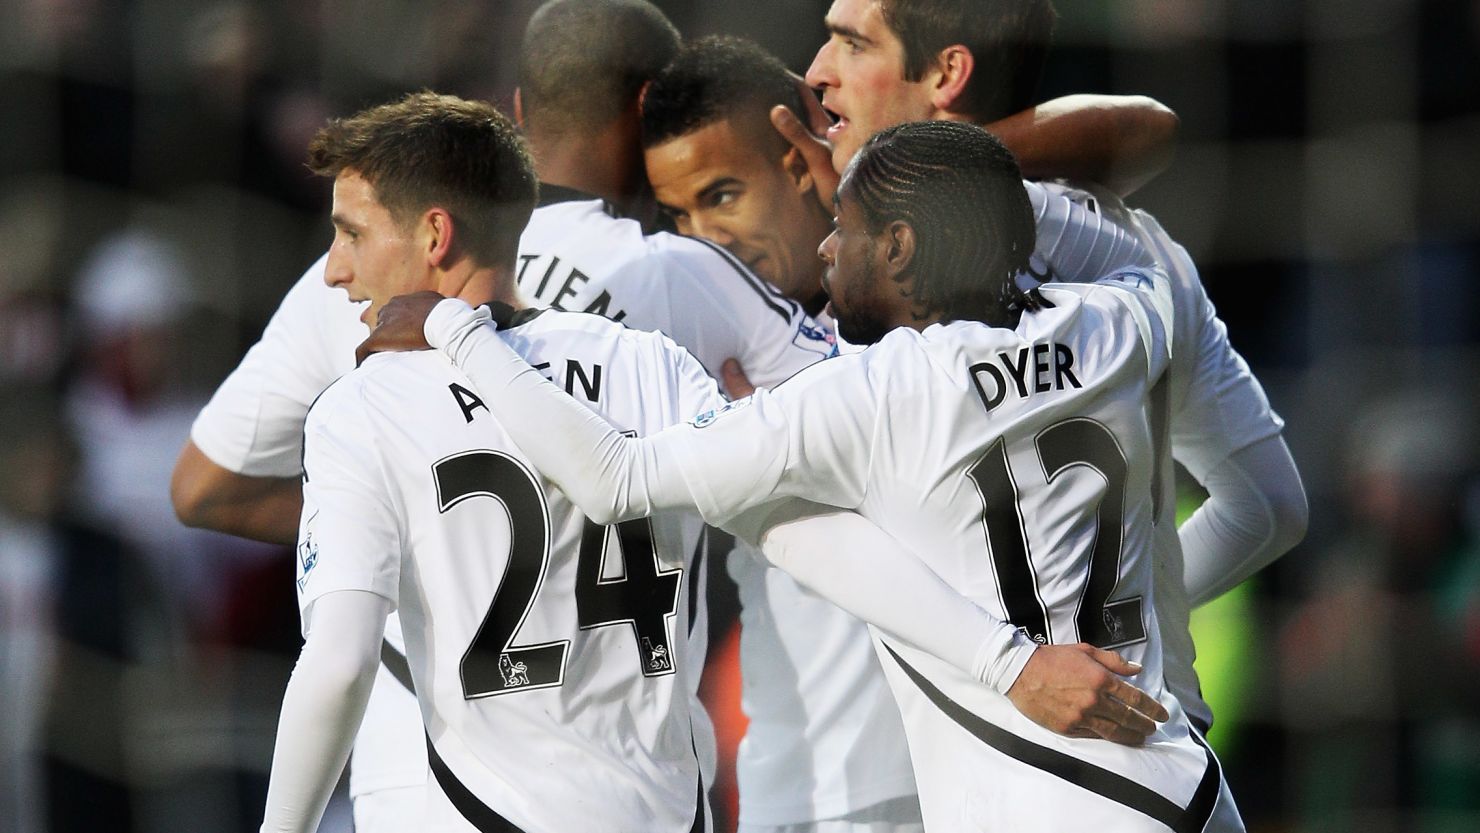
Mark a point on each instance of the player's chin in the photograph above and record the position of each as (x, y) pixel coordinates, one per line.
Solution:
(842, 136)
(858, 329)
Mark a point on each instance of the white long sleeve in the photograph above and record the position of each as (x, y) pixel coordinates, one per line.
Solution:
(1256, 511)
(322, 708)
(847, 560)
(611, 477)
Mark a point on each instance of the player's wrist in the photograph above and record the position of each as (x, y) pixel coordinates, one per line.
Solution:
(1000, 662)
(449, 322)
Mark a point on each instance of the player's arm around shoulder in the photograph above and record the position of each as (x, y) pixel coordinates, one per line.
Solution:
(207, 495)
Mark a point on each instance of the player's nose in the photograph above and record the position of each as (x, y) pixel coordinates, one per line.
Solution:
(337, 270)
(828, 248)
(820, 72)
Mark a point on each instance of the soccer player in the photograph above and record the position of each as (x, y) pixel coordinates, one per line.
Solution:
(891, 61)
(720, 170)
(975, 60)
(1001, 435)
(548, 651)
(583, 62)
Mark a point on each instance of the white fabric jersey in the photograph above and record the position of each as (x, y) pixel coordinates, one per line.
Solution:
(575, 255)
(547, 650)
(253, 425)
(1019, 466)
(824, 736)
(825, 740)
(1211, 400)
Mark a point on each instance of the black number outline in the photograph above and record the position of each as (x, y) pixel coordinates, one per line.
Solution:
(1008, 550)
(1120, 622)
(1062, 446)
(496, 682)
(634, 540)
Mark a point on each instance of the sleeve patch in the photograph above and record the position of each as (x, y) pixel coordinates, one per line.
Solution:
(816, 338)
(709, 417)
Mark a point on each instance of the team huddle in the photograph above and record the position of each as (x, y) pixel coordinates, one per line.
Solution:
(491, 419)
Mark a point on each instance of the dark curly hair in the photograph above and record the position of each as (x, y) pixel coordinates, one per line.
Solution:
(960, 191)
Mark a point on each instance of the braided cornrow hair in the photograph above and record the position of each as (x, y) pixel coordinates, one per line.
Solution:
(961, 192)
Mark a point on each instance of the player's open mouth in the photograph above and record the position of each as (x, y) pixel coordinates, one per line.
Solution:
(840, 123)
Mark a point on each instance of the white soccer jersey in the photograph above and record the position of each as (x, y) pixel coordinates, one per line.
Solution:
(548, 651)
(575, 254)
(583, 258)
(1212, 403)
(253, 425)
(1019, 466)
(824, 737)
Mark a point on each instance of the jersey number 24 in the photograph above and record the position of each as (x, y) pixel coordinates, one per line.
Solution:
(644, 598)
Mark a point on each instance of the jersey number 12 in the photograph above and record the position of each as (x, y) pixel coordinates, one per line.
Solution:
(1064, 445)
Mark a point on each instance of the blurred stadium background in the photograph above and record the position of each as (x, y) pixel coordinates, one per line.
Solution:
(154, 208)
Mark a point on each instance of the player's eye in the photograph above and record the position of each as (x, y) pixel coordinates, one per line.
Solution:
(723, 198)
(854, 47)
(672, 213)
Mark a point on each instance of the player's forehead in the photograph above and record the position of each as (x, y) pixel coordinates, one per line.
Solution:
(356, 195)
(685, 166)
(847, 210)
(859, 19)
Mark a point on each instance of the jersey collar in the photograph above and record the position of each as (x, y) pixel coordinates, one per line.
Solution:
(507, 318)
(555, 194)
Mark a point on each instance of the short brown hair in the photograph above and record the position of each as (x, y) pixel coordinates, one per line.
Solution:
(430, 150)
(1008, 39)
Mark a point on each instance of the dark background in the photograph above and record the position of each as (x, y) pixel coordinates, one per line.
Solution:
(154, 208)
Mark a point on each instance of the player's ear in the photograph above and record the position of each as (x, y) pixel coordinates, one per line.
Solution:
(642, 96)
(438, 236)
(797, 171)
(952, 73)
(898, 248)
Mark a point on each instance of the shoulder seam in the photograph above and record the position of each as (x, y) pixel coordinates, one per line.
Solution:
(780, 304)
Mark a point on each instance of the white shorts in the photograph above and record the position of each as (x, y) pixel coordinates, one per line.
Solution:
(390, 811)
(897, 815)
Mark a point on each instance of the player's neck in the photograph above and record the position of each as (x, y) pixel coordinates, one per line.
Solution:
(605, 164)
(483, 285)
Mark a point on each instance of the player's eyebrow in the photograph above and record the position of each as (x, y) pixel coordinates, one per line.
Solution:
(722, 182)
(843, 30)
(340, 221)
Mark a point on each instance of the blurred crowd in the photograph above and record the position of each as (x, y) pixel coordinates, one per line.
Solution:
(154, 207)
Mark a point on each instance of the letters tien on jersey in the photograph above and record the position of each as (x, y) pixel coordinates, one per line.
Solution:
(555, 283)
